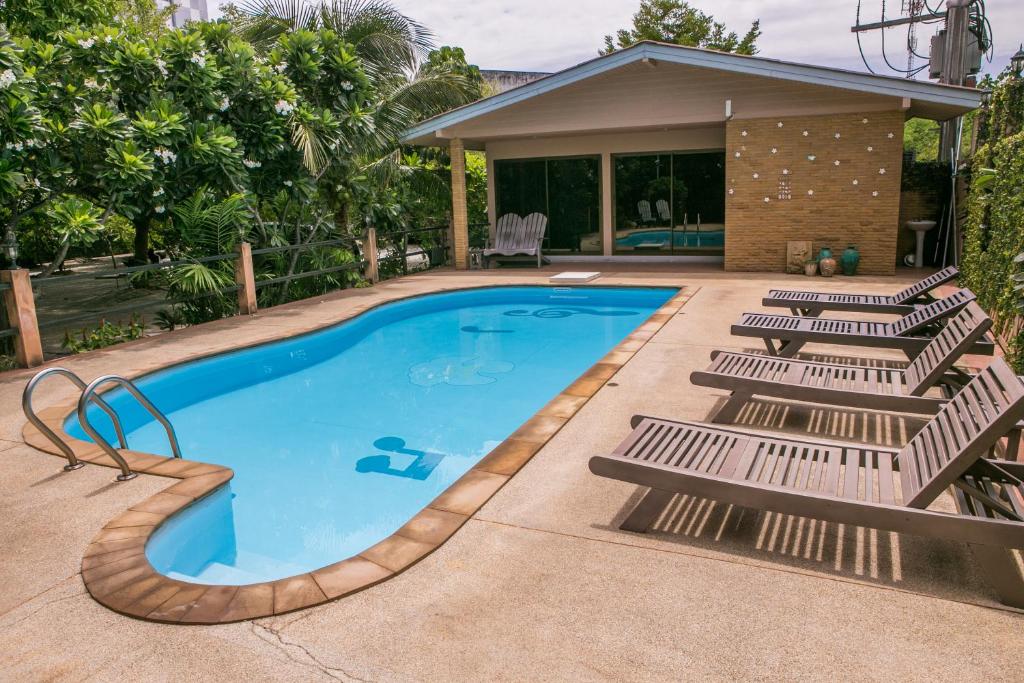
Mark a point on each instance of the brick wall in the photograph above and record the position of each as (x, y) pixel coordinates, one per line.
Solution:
(800, 193)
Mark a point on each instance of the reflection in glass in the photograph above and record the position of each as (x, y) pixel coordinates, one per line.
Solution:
(670, 203)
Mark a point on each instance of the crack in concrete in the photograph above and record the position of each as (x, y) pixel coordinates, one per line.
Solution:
(283, 644)
(42, 607)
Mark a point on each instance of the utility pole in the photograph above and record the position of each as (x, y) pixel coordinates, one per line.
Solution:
(953, 57)
(954, 69)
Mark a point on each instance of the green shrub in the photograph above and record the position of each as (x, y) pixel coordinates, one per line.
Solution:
(106, 334)
(994, 235)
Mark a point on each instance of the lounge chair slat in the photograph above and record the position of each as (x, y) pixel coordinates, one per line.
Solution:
(885, 479)
(814, 303)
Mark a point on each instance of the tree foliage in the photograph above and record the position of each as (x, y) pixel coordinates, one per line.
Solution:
(675, 21)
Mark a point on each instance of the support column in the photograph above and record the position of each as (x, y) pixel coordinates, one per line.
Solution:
(21, 314)
(607, 215)
(370, 255)
(460, 215)
(246, 280)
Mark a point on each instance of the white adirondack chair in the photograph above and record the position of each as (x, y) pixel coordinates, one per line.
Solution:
(518, 236)
(663, 213)
(644, 207)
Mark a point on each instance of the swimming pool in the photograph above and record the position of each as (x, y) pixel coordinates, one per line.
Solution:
(660, 239)
(339, 437)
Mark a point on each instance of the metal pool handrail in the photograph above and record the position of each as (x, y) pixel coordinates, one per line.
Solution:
(83, 403)
(30, 414)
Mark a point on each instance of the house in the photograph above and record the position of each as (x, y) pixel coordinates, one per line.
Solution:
(666, 152)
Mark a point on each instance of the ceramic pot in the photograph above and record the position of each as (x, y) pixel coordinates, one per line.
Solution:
(825, 252)
(827, 266)
(850, 260)
(810, 268)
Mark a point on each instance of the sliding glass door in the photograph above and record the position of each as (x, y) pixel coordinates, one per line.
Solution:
(565, 189)
(670, 203)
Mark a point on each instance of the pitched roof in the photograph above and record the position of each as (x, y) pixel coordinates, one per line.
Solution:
(942, 101)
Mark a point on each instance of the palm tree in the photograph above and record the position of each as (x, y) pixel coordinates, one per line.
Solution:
(393, 49)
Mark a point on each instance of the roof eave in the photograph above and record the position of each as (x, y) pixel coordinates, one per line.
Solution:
(964, 99)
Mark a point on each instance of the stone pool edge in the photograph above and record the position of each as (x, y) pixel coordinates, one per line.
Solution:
(118, 575)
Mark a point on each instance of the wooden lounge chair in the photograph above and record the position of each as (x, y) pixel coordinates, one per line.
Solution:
(516, 236)
(793, 331)
(861, 485)
(902, 302)
(873, 388)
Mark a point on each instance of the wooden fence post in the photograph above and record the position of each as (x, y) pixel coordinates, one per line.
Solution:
(21, 314)
(370, 254)
(246, 280)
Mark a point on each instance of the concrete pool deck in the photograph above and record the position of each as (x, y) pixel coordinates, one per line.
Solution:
(540, 583)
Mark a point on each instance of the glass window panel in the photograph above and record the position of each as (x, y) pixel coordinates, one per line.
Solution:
(643, 203)
(698, 201)
(566, 190)
(574, 205)
(520, 186)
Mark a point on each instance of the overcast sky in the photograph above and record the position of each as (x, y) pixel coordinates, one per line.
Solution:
(549, 35)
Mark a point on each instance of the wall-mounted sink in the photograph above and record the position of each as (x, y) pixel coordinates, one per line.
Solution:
(919, 227)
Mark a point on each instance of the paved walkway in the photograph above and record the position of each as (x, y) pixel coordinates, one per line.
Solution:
(540, 585)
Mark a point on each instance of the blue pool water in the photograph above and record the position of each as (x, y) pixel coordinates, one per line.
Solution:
(660, 239)
(338, 438)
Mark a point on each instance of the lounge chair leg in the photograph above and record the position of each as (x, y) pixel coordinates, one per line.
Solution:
(1013, 445)
(1000, 569)
(789, 348)
(728, 412)
(647, 510)
(770, 345)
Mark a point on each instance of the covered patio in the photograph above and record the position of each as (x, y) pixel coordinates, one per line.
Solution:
(672, 153)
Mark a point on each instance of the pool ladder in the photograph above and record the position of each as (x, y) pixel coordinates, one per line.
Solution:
(88, 394)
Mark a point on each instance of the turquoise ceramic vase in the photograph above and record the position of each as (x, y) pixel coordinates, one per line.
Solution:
(850, 260)
(824, 253)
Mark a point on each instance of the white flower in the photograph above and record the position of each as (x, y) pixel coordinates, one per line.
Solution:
(811, 157)
(743, 133)
(162, 66)
(881, 171)
(756, 176)
(165, 155)
(284, 107)
(159, 209)
(864, 120)
(806, 133)
(874, 193)
(158, 192)
(287, 183)
(836, 162)
(107, 39)
(785, 171)
(7, 77)
(779, 124)
(198, 59)
(347, 85)
(737, 155)
(731, 190)
(856, 182)
(838, 136)
(775, 150)
(209, 117)
(87, 43)
(279, 68)
(870, 148)
(250, 163)
(810, 193)
(891, 136)
(766, 200)
(225, 103)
